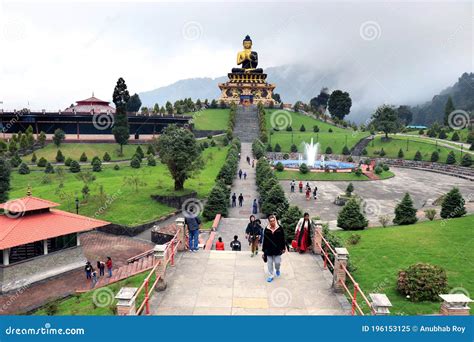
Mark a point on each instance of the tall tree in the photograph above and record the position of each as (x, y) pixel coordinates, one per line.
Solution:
(448, 109)
(179, 150)
(320, 102)
(156, 108)
(169, 108)
(276, 97)
(134, 104)
(405, 212)
(58, 137)
(121, 129)
(4, 180)
(339, 104)
(453, 204)
(386, 119)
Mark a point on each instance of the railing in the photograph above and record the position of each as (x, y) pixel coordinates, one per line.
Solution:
(169, 255)
(324, 248)
(139, 256)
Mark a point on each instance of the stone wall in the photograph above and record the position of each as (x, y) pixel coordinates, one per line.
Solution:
(174, 201)
(36, 269)
(206, 133)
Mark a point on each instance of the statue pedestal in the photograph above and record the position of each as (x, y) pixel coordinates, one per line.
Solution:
(247, 89)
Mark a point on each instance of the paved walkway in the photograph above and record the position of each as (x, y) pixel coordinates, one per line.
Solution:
(233, 283)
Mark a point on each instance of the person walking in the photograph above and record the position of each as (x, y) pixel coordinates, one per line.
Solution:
(235, 245)
(234, 199)
(292, 185)
(248, 160)
(255, 207)
(245, 175)
(88, 269)
(94, 279)
(194, 223)
(315, 192)
(273, 247)
(253, 162)
(101, 268)
(108, 263)
(253, 233)
(240, 174)
(300, 186)
(303, 233)
(308, 193)
(219, 244)
(241, 199)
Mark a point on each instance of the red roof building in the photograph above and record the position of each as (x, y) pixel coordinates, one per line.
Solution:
(37, 241)
(92, 105)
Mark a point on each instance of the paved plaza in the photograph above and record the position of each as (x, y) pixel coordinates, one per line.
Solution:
(380, 197)
(233, 283)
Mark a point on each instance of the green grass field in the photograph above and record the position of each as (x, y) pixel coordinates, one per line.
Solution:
(74, 151)
(382, 252)
(211, 119)
(336, 140)
(327, 176)
(392, 147)
(130, 206)
(463, 134)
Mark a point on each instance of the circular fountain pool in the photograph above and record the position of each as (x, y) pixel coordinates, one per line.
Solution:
(318, 164)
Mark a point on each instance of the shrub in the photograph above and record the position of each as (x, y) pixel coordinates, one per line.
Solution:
(74, 167)
(345, 150)
(353, 239)
(277, 148)
(451, 159)
(385, 167)
(289, 220)
(382, 152)
(213, 143)
(229, 134)
(330, 130)
(279, 167)
(217, 202)
(258, 149)
(401, 154)
(453, 204)
(302, 128)
(33, 158)
(364, 152)
(328, 150)
(422, 282)
(294, 148)
(59, 156)
(116, 167)
(83, 157)
(405, 212)
(23, 169)
(139, 152)
(269, 148)
(350, 159)
(96, 164)
(350, 217)
(430, 214)
(42, 162)
(275, 201)
(358, 172)
(49, 168)
(466, 160)
(225, 141)
(434, 156)
(421, 131)
(315, 128)
(349, 189)
(378, 170)
(384, 220)
(304, 168)
(151, 160)
(455, 137)
(442, 134)
(68, 161)
(289, 128)
(135, 162)
(418, 156)
(107, 157)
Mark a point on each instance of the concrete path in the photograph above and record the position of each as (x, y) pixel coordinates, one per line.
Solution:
(233, 283)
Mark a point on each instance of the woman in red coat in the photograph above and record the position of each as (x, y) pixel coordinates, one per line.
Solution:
(219, 245)
(303, 233)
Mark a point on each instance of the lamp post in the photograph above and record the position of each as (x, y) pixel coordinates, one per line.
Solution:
(77, 204)
(407, 144)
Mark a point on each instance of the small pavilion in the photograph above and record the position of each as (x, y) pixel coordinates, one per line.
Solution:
(38, 242)
(92, 105)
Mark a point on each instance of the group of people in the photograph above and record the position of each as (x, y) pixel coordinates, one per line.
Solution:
(234, 198)
(308, 191)
(242, 173)
(91, 273)
(235, 244)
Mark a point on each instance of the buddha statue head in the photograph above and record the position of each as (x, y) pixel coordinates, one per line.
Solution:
(247, 42)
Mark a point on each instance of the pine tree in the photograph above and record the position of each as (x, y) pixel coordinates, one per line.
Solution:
(5, 172)
(328, 150)
(42, 138)
(455, 137)
(59, 156)
(405, 212)
(345, 150)
(302, 128)
(418, 156)
(350, 189)
(23, 169)
(442, 134)
(74, 167)
(434, 156)
(277, 148)
(121, 129)
(151, 160)
(106, 157)
(15, 160)
(453, 204)
(58, 137)
(135, 162)
(150, 150)
(401, 154)
(466, 160)
(294, 148)
(217, 202)
(34, 158)
(139, 152)
(83, 157)
(42, 162)
(451, 159)
(350, 217)
(96, 164)
(289, 220)
(49, 168)
(275, 201)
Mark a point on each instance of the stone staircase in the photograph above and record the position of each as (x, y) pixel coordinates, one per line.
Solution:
(139, 265)
(246, 123)
(359, 147)
(228, 227)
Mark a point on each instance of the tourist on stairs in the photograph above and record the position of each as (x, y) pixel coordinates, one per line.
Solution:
(253, 233)
(193, 222)
(254, 207)
(300, 186)
(241, 199)
(240, 174)
(219, 244)
(235, 245)
(273, 246)
(303, 233)
(292, 185)
(108, 263)
(234, 199)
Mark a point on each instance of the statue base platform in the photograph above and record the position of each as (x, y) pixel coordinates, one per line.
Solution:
(247, 89)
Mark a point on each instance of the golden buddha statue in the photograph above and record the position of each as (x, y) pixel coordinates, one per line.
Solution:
(247, 58)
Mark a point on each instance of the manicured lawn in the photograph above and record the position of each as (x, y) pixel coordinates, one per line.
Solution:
(127, 205)
(336, 140)
(382, 252)
(211, 119)
(394, 144)
(327, 176)
(102, 304)
(463, 134)
(74, 151)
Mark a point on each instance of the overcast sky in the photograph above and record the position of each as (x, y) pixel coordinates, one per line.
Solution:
(55, 53)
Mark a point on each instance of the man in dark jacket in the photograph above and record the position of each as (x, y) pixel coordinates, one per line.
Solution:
(193, 222)
(253, 234)
(273, 246)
